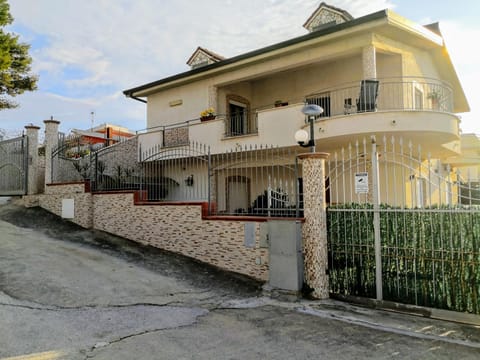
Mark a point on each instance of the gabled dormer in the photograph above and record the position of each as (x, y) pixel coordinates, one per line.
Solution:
(326, 15)
(202, 57)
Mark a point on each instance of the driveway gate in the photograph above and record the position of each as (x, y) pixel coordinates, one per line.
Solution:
(13, 166)
(402, 227)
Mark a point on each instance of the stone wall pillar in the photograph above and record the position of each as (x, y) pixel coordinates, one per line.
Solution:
(212, 97)
(315, 226)
(51, 141)
(369, 62)
(32, 172)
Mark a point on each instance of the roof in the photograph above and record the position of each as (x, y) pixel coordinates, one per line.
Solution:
(383, 14)
(419, 35)
(345, 14)
(215, 57)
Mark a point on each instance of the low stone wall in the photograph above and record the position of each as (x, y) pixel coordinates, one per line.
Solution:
(177, 228)
(181, 229)
(55, 193)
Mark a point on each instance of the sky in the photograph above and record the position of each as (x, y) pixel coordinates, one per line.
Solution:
(86, 52)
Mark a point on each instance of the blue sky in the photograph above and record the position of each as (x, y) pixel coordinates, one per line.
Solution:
(87, 52)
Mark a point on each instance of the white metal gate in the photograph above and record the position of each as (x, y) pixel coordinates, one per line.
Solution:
(13, 166)
(402, 227)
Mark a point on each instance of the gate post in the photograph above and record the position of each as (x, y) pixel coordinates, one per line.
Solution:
(376, 221)
(51, 140)
(315, 226)
(32, 159)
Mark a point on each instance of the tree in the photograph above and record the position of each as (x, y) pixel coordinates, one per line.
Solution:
(15, 75)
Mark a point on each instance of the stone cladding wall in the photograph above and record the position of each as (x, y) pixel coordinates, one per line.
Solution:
(181, 229)
(54, 194)
(177, 228)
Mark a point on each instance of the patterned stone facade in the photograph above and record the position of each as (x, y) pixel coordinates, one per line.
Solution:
(54, 194)
(181, 229)
(212, 96)
(176, 136)
(369, 62)
(326, 14)
(176, 228)
(123, 155)
(201, 58)
(315, 226)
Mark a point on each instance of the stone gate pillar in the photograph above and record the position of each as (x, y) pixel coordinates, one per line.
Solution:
(51, 141)
(32, 172)
(315, 226)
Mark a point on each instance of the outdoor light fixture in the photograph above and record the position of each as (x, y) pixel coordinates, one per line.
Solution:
(301, 136)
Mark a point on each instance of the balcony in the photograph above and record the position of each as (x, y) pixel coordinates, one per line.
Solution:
(389, 94)
(416, 108)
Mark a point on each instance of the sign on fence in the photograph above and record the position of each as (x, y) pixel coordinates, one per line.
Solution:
(361, 183)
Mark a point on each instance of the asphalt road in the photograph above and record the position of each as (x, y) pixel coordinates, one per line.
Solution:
(69, 293)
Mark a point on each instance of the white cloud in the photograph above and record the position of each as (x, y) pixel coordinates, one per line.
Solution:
(112, 45)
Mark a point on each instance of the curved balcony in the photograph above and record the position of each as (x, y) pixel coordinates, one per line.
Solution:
(416, 108)
(386, 94)
(419, 109)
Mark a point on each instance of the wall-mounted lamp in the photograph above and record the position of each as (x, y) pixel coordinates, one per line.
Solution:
(301, 136)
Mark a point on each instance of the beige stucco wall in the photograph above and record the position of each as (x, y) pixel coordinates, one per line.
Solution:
(194, 97)
(291, 77)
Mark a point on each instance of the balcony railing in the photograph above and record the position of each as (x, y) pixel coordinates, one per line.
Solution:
(389, 94)
(244, 123)
(384, 94)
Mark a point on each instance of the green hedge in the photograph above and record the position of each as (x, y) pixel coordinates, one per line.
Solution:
(429, 258)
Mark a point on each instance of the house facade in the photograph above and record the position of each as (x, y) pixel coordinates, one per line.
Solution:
(379, 75)
(218, 169)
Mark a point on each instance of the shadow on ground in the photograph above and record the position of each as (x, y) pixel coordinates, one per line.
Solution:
(163, 262)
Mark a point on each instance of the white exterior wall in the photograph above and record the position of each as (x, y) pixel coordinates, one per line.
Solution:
(194, 99)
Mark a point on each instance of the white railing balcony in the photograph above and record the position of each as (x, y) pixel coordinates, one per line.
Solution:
(386, 94)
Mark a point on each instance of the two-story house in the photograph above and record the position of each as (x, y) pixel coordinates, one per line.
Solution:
(379, 75)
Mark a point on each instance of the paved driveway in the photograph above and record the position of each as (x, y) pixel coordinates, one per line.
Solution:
(69, 293)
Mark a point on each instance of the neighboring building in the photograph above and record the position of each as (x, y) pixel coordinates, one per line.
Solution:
(104, 133)
(379, 74)
(468, 162)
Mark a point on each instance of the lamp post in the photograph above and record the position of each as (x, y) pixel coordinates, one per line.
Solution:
(301, 136)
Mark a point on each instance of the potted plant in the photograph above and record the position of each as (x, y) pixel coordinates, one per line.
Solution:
(434, 97)
(207, 114)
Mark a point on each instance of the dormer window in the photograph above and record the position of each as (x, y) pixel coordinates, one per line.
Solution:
(326, 16)
(203, 57)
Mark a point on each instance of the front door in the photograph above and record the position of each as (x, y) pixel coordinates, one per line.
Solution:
(238, 190)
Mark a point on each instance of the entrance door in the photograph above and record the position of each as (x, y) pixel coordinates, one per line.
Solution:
(238, 194)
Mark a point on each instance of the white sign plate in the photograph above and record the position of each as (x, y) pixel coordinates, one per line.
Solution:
(361, 183)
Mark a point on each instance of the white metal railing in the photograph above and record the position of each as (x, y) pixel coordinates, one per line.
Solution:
(382, 94)
(386, 94)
